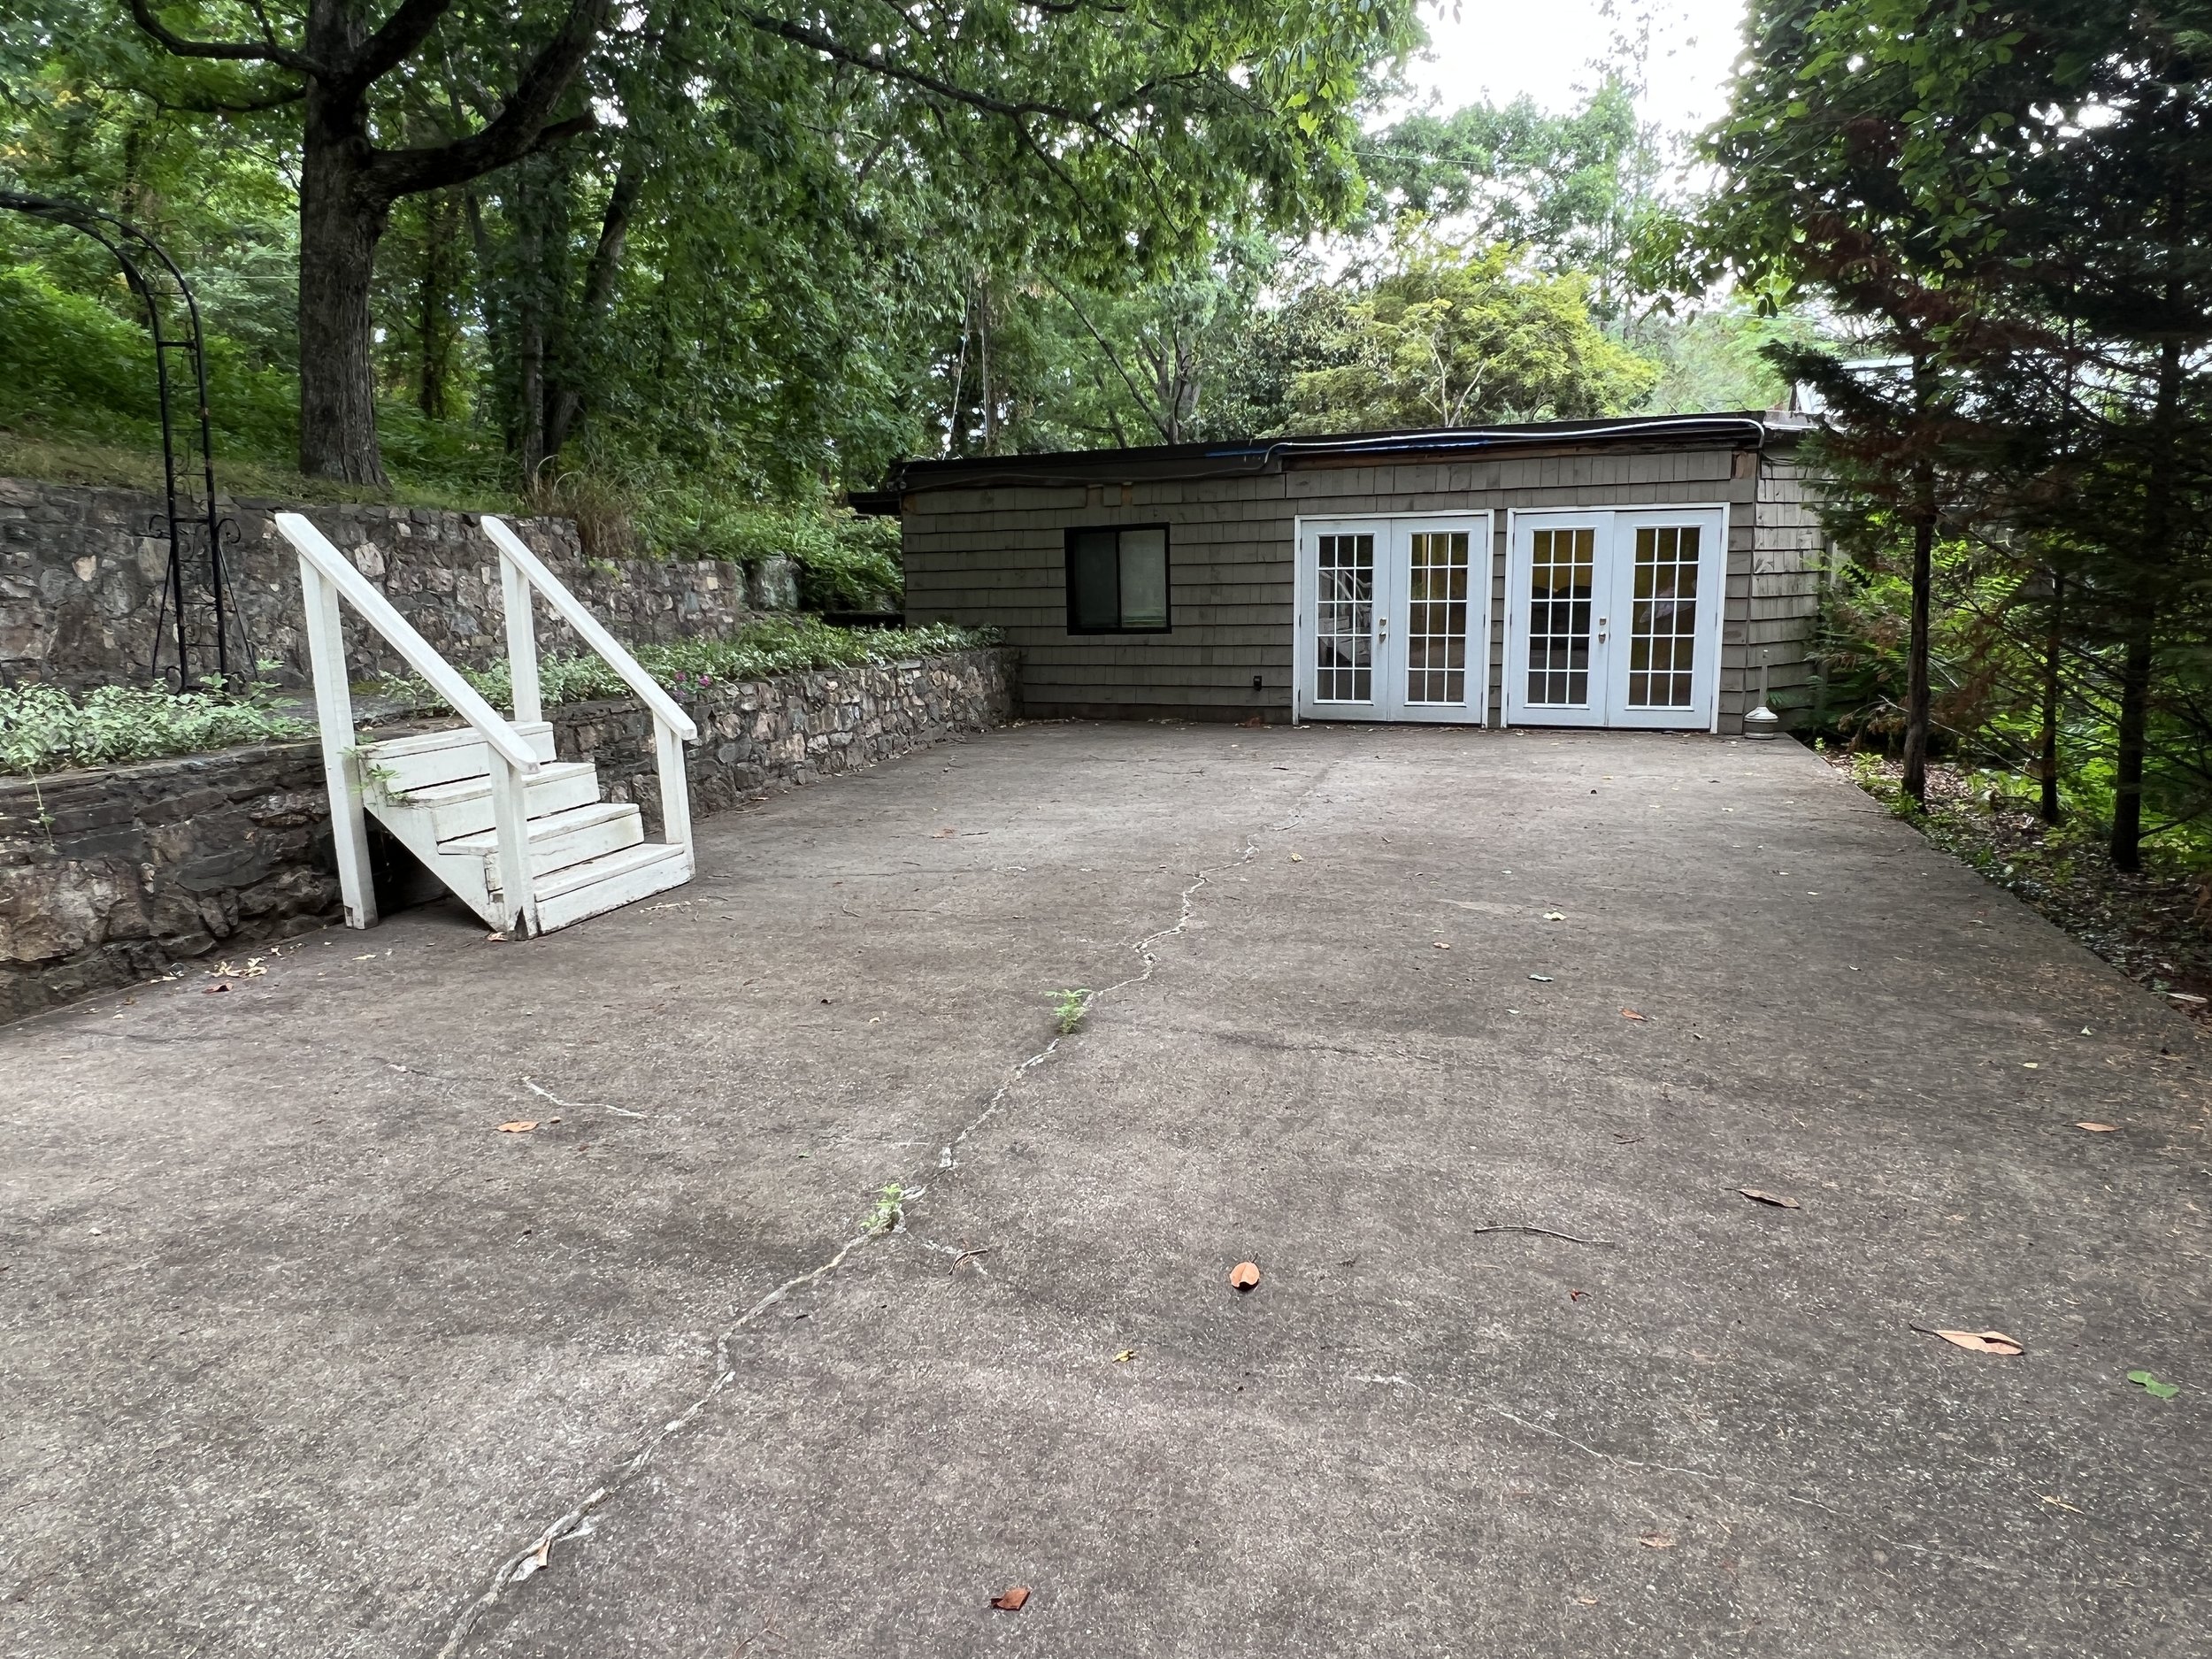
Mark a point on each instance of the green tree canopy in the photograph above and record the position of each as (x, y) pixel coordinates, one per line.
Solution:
(1453, 337)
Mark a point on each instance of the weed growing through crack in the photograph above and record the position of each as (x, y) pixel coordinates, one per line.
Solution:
(889, 1208)
(1068, 1008)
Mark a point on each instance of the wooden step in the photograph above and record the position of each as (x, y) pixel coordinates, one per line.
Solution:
(610, 882)
(559, 839)
(465, 806)
(404, 765)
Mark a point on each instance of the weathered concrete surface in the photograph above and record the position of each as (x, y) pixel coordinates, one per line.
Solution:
(298, 1349)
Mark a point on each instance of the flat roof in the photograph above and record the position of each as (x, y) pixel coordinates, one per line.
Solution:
(1247, 457)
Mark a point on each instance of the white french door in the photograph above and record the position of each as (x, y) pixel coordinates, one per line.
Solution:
(1394, 618)
(1613, 617)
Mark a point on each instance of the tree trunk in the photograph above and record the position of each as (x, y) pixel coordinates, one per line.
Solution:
(340, 221)
(1917, 698)
(2127, 780)
(2135, 672)
(566, 402)
(2052, 639)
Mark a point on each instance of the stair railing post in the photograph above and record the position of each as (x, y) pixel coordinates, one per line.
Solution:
(341, 772)
(668, 759)
(511, 821)
(522, 639)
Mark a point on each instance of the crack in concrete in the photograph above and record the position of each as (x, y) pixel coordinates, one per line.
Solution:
(576, 1522)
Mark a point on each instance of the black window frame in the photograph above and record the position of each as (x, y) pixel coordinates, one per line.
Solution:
(1167, 574)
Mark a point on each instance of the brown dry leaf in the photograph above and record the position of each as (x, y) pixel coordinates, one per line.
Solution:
(1630, 1013)
(1983, 1341)
(1244, 1275)
(1758, 1197)
(213, 990)
(520, 1126)
(1658, 1540)
(1010, 1600)
(1124, 1357)
(945, 834)
(2100, 1129)
(1577, 1295)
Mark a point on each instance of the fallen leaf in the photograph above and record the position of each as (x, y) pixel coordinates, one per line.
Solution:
(1297, 858)
(1440, 945)
(2100, 1129)
(520, 1126)
(1577, 1295)
(2184, 996)
(1982, 1341)
(1555, 916)
(213, 990)
(942, 833)
(1541, 979)
(1658, 1540)
(1124, 1357)
(1630, 1013)
(1585, 1601)
(2150, 1384)
(1758, 1197)
(1244, 1275)
(1010, 1600)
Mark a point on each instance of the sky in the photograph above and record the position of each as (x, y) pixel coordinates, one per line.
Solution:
(1500, 49)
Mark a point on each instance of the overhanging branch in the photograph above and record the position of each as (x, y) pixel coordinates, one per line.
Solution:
(227, 52)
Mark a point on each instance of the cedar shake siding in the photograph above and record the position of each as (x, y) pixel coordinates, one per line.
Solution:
(986, 544)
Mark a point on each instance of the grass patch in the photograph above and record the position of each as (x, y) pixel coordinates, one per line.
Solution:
(45, 729)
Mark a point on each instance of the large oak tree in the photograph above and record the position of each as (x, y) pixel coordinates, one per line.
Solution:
(1126, 132)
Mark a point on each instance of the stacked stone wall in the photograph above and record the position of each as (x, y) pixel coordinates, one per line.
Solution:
(113, 876)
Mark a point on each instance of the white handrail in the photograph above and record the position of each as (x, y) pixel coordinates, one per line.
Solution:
(422, 656)
(588, 630)
(326, 576)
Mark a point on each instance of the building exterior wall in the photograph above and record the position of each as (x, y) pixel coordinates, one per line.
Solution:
(994, 557)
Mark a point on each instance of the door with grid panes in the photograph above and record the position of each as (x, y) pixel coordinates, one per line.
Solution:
(1614, 617)
(1395, 618)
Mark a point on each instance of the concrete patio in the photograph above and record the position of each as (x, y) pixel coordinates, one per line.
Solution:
(303, 1355)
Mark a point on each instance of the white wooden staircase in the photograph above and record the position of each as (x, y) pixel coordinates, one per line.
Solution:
(520, 837)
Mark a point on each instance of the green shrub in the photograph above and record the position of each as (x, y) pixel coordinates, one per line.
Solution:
(45, 729)
(846, 563)
(778, 645)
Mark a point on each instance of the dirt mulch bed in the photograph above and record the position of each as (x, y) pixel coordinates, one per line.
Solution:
(2155, 926)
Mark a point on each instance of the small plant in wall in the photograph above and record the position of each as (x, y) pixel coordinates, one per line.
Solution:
(1068, 1009)
(376, 778)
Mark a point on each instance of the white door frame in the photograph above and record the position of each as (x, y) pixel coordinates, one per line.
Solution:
(1611, 597)
(1394, 533)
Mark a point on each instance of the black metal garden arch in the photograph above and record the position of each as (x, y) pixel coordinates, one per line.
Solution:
(199, 617)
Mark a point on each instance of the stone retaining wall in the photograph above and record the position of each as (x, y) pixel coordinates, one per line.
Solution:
(761, 736)
(108, 876)
(80, 585)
